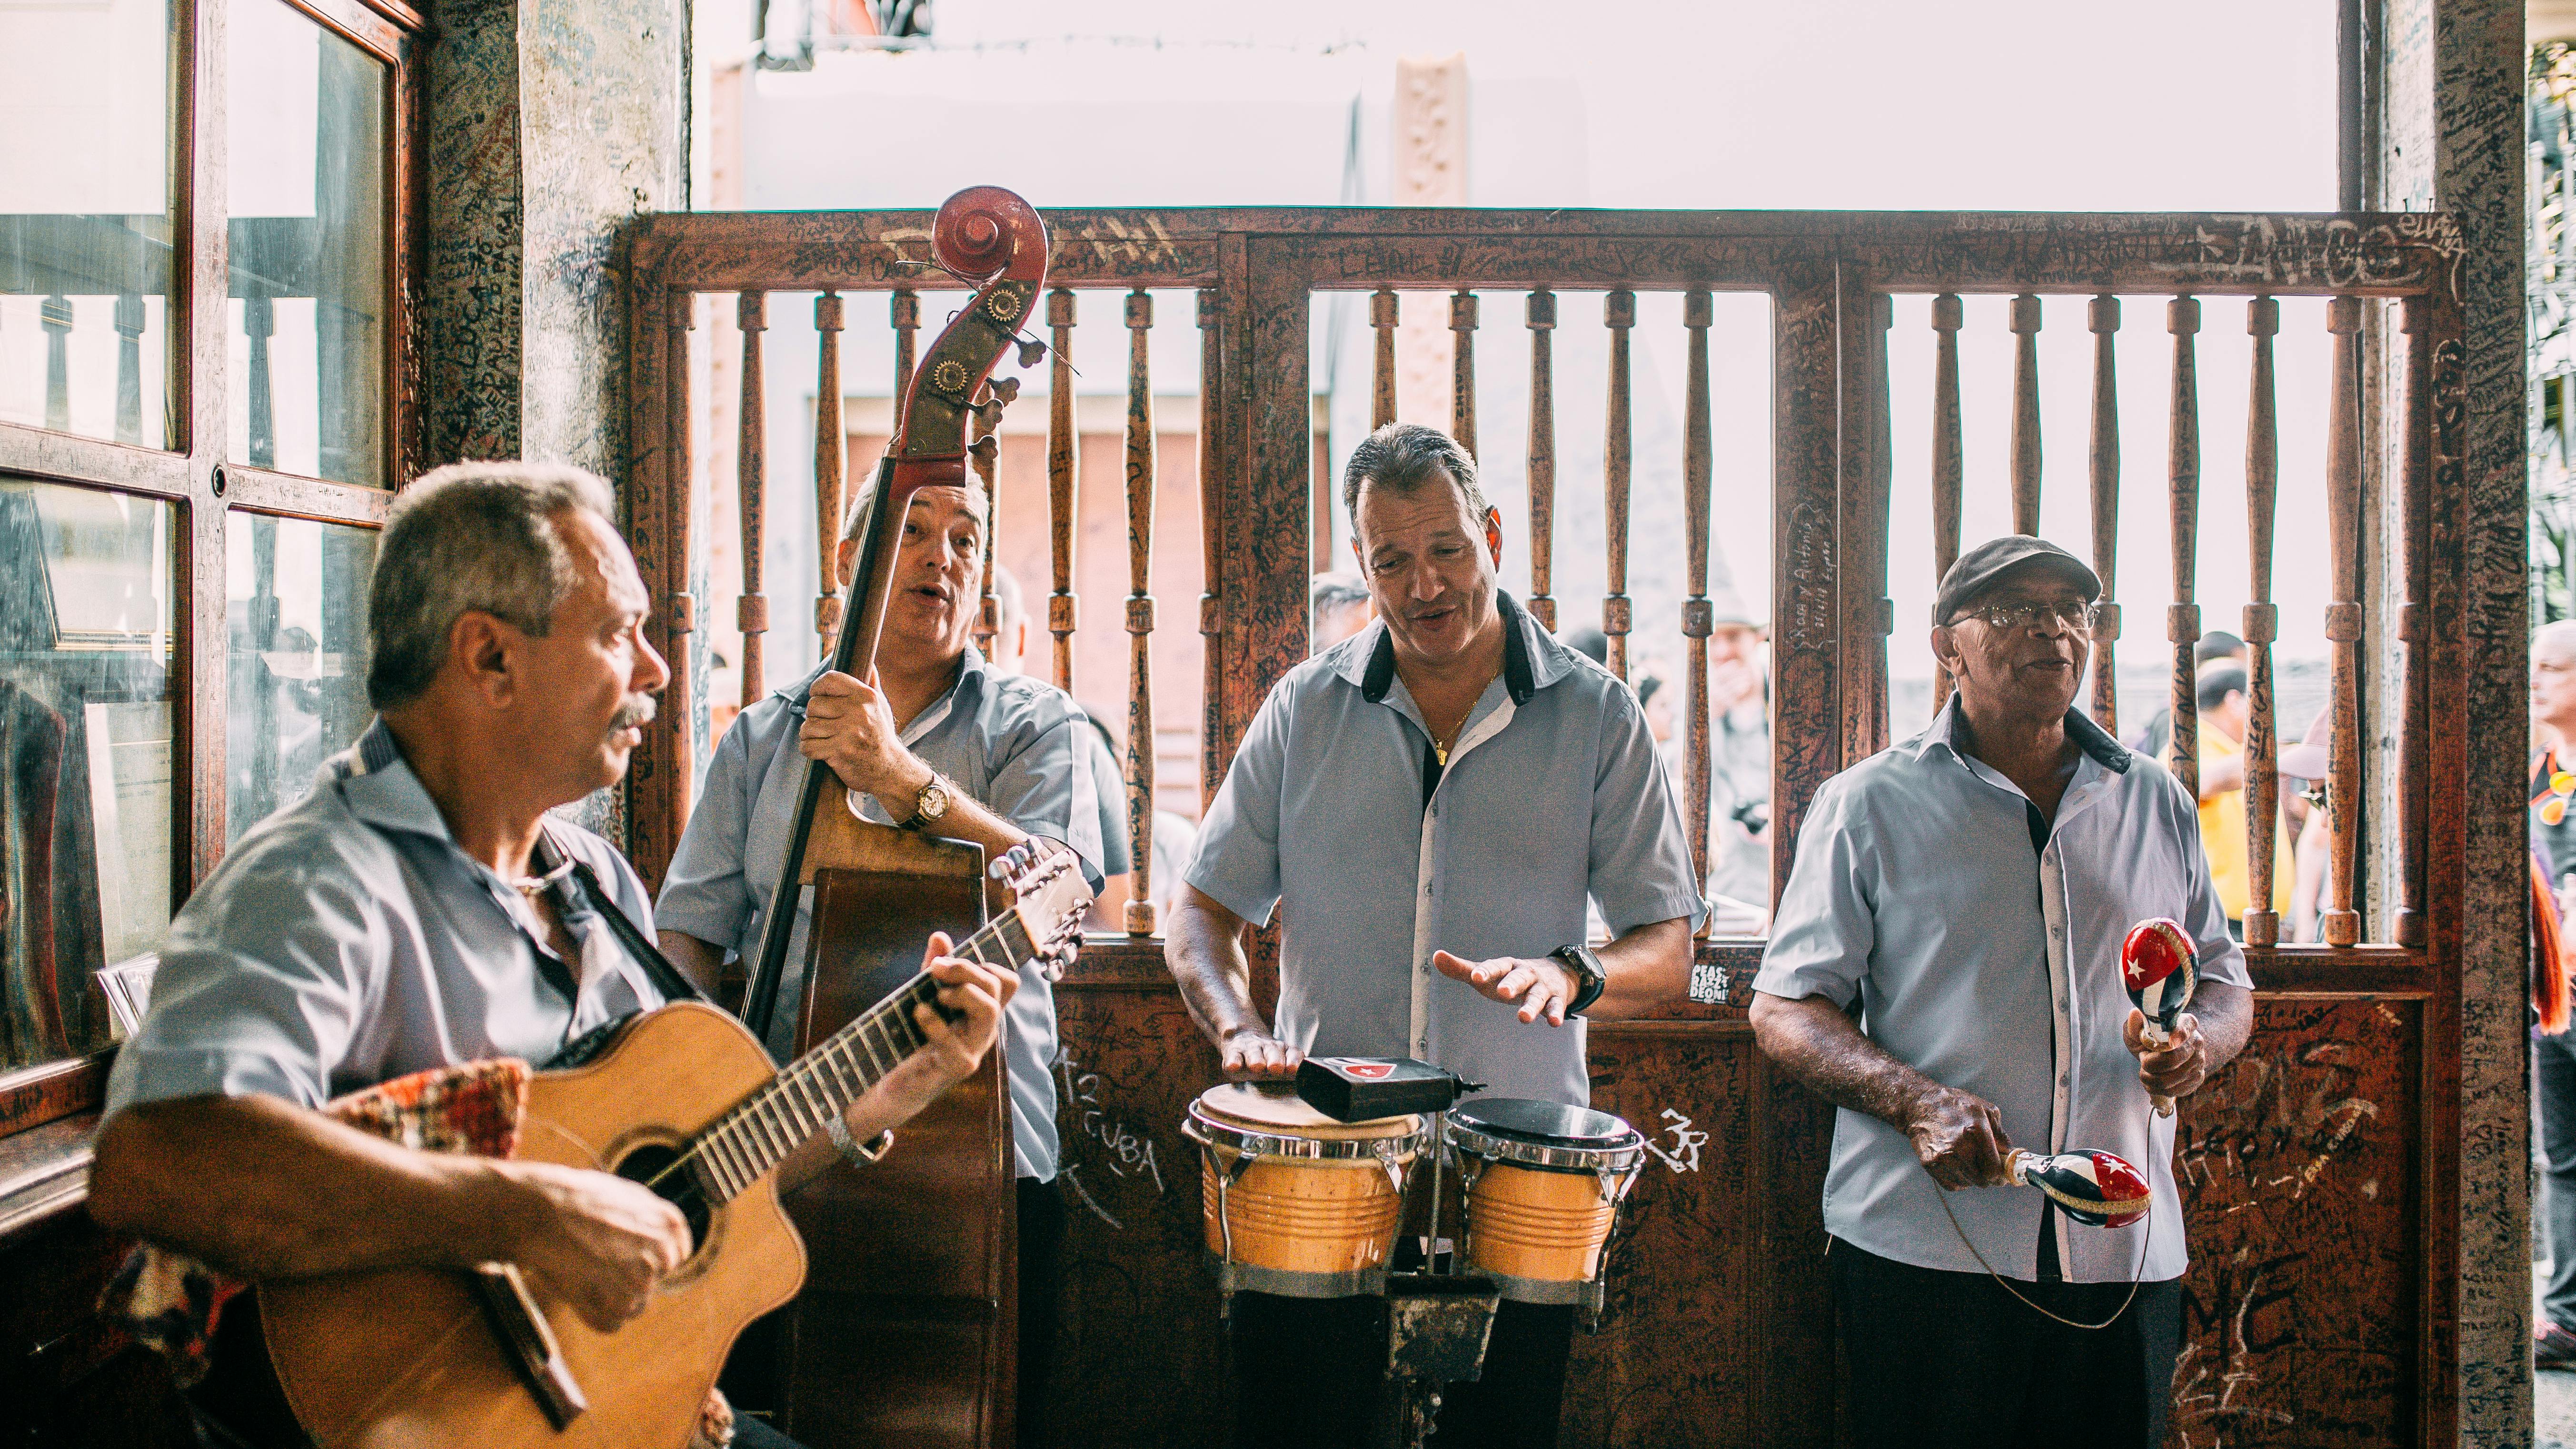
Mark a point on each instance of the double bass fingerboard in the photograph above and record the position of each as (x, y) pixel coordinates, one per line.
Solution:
(759, 1133)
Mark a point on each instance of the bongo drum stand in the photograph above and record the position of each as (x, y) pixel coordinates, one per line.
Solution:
(1436, 1328)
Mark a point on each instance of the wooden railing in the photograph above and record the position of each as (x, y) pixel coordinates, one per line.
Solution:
(1722, 1333)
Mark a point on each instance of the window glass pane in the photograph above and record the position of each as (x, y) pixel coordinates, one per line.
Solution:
(306, 151)
(85, 218)
(295, 609)
(85, 755)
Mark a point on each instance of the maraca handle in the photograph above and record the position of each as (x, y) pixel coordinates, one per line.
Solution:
(2156, 1037)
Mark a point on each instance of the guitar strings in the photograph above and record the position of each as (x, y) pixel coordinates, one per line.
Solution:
(973, 944)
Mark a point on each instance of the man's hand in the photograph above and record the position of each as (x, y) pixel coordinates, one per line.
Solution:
(1249, 1053)
(598, 1240)
(1959, 1138)
(973, 995)
(1539, 988)
(2180, 1066)
(848, 727)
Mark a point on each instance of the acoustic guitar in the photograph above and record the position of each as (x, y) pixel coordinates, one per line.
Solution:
(686, 1101)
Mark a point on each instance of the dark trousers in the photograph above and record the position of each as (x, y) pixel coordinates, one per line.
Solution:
(1312, 1371)
(2553, 1085)
(1041, 1277)
(1952, 1361)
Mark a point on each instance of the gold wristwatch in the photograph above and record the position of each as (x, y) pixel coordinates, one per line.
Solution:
(931, 805)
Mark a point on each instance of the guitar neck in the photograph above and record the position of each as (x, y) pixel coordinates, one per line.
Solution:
(758, 1134)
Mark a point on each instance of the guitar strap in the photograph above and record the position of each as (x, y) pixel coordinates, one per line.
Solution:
(667, 978)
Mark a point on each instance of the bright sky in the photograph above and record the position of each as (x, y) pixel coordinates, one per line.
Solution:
(1860, 104)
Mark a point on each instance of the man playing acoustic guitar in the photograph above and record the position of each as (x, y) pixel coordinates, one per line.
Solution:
(421, 909)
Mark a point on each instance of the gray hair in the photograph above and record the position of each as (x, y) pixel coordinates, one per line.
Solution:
(470, 536)
(855, 517)
(2556, 639)
(1401, 458)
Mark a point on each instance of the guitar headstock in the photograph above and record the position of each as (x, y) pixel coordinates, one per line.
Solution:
(1050, 898)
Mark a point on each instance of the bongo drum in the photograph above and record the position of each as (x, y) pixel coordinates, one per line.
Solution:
(1294, 1202)
(1543, 1184)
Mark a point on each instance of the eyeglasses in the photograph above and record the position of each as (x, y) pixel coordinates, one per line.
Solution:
(2076, 614)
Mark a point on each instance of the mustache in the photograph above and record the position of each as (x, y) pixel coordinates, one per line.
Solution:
(636, 711)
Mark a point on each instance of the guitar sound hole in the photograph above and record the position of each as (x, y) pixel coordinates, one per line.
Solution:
(658, 1167)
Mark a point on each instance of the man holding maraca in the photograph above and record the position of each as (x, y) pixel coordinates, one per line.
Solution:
(1967, 893)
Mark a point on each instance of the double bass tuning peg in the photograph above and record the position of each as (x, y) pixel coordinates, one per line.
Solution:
(1006, 390)
(1032, 352)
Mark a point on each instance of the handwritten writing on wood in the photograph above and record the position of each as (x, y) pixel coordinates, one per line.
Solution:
(2296, 1169)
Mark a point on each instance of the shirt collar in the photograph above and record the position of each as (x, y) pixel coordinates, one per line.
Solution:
(2091, 738)
(1532, 660)
(381, 789)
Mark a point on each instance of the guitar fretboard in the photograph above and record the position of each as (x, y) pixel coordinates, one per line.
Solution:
(747, 1142)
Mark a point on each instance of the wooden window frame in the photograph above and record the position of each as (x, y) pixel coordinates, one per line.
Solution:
(195, 474)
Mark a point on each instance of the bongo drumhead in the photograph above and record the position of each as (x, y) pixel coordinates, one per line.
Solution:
(1545, 1124)
(1281, 1112)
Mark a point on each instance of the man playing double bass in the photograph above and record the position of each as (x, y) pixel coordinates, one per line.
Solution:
(421, 909)
(1434, 800)
(941, 742)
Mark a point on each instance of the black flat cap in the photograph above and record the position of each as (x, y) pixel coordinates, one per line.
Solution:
(2014, 553)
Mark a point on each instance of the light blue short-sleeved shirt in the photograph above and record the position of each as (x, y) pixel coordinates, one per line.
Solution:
(1993, 966)
(1016, 745)
(346, 940)
(1553, 793)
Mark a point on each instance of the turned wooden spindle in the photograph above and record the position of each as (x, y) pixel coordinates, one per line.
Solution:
(1382, 318)
(1462, 370)
(1949, 469)
(2182, 455)
(672, 738)
(2339, 922)
(1212, 541)
(2262, 626)
(1697, 612)
(751, 612)
(2025, 420)
(1619, 312)
(2423, 445)
(1064, 487)
(903, 310)
(1542, 456)
(831, 459)
(2103, 316)
(1141, 919)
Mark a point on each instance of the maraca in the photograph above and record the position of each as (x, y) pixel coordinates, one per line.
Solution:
(2160, 968)
(2097, 1189)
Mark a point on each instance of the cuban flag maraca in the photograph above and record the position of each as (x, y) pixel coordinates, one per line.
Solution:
(2098, 1189)
(2160, 968)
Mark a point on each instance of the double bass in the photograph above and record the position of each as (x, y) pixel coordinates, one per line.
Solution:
(907, 1330)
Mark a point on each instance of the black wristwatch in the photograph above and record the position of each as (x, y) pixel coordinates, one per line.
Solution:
(1587, 971)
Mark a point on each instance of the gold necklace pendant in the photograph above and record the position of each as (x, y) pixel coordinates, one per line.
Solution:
(1442, 751)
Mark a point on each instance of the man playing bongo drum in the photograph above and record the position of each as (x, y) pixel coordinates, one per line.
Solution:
(1966, 893)
(1434, 798)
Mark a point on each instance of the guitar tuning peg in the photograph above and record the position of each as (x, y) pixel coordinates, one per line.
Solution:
(1032, 352)
(998, 868)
